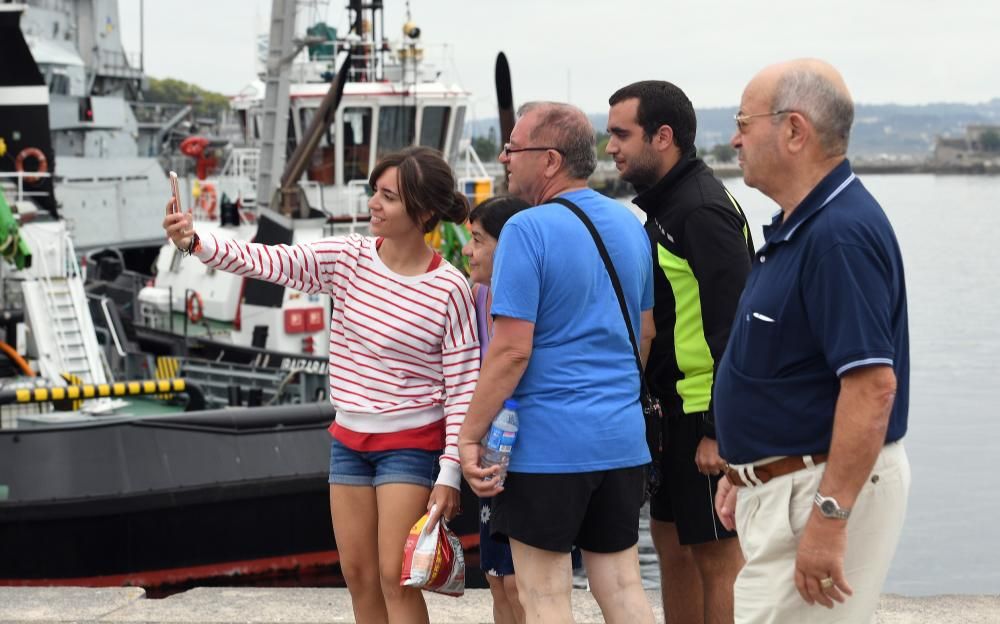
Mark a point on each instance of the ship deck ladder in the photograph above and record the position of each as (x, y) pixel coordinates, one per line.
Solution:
(61, 323)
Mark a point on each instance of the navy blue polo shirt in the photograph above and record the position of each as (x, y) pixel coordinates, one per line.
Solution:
(825, 295)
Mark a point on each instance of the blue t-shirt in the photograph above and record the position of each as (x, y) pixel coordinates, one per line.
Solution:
(579, 397)
(825, 295)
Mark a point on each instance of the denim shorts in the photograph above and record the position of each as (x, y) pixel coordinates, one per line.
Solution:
(374, 468)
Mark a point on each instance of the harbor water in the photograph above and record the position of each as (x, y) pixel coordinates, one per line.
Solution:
(946, 226)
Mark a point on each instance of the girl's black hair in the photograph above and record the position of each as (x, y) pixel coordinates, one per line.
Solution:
(494, 212)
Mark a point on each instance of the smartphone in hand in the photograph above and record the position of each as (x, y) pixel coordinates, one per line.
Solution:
(175, 189)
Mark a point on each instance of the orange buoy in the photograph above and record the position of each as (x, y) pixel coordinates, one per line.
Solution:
(195, 307)
(39, 156)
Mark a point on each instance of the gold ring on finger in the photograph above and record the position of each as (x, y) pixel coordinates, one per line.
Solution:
(826, 583)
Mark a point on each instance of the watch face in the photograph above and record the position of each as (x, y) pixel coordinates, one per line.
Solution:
(828, 508)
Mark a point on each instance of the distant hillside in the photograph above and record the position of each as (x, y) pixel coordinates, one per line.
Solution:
(173, 91)
(878, 128)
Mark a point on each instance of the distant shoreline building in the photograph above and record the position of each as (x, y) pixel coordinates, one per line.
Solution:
(979, 148)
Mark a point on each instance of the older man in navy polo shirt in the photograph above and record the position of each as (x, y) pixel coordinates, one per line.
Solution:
(811, 395)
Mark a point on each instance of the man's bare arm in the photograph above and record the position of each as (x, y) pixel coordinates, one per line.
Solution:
(505, 363)
(860, 423)
(647, 331)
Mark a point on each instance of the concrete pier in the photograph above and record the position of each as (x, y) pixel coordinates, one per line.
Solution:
(219, 605)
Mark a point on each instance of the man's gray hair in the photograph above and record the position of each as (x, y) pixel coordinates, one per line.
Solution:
(827, 107)
(566, 127)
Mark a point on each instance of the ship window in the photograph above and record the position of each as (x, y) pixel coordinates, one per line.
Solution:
(395, 128)
(305, 118)
(322, 163)
(357, 142)
(59, 84)
(456, 135)
(434, 126)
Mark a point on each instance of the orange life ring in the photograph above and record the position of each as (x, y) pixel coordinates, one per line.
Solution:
(208, 200)
(193, 146)
(39, 155)
(195, 307)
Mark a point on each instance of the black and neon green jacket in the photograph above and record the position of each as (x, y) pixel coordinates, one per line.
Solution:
(702, 251)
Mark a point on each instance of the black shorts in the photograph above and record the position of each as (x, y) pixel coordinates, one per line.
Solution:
(686, 497)
(597, 511)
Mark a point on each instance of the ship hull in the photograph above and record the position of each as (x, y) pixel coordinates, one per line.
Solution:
(220, 495)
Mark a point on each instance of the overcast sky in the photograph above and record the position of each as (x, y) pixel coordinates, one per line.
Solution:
(909, 52)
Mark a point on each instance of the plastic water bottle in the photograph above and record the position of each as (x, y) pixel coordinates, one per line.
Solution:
(499, 441)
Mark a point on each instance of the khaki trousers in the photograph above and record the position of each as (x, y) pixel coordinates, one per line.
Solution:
(771, 517)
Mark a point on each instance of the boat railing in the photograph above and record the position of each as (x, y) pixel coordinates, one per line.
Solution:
(16, 180)
(473, 178)
(352, 216)
(123, 290)
(243, 162)
(12, 413)
(72, 264)
(471, 165)
(371, 61)
(118, 64)
(358, 193)
(238, 179)
(231, 384)
(158, 113)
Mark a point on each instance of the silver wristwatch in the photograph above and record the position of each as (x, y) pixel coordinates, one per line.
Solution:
(830, 508)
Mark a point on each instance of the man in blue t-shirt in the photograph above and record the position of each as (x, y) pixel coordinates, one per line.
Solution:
(812, 392)
(561, 348)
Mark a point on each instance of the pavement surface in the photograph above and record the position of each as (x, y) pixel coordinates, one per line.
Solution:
(220, 605)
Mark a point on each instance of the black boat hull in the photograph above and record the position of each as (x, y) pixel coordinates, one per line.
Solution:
(225, 494)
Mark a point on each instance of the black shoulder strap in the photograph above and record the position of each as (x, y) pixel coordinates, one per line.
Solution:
(601, 249)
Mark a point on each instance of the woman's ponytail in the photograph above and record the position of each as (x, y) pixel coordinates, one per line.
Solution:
(458, 211)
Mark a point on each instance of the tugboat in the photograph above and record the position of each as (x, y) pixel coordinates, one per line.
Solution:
(162, 435)
(388, 98)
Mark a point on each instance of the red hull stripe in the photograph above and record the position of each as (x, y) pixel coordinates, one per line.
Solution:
(172, 576)
(175, 576)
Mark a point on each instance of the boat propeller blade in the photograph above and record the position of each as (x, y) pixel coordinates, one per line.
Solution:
(505, 104)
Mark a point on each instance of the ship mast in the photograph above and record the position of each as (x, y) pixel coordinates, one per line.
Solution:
(281, 50)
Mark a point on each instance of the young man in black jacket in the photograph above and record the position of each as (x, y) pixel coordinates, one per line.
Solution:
(702, 250)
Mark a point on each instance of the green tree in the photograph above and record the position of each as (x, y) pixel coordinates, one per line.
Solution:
(172, 91)
(990, 140)
(486, 148)
(723, 153)
(602, 144)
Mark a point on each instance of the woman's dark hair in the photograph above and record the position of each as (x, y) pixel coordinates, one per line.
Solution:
(426, 186)
(493, 213)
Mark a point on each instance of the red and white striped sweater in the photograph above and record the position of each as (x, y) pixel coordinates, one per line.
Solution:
(404, 350)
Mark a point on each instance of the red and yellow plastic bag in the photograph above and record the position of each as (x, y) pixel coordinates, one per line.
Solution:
(433, 560)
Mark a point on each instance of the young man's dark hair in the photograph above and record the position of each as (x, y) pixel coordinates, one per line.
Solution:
(661, 103)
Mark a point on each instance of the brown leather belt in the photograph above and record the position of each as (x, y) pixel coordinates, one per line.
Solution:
(766, 472)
